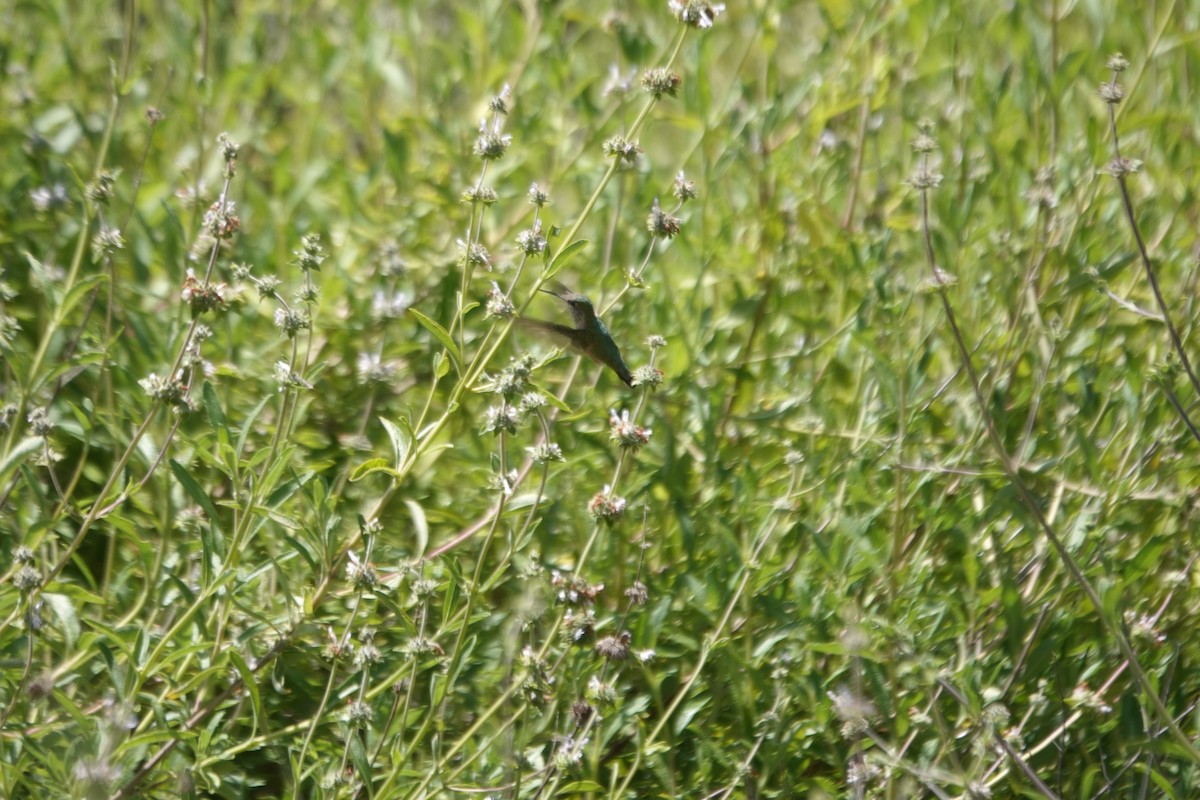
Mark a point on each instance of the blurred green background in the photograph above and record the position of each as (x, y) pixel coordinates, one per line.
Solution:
(828, 532)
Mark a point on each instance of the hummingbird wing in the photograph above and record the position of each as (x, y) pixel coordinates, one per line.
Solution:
(562, 334)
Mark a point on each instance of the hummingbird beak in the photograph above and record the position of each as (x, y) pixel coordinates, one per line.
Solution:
(556, 289)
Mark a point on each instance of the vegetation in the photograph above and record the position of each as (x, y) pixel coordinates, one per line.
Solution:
(901, 502)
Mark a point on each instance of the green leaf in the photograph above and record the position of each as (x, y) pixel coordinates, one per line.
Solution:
(194, 490)
(358, 753)
(373, 465)
(420, 525)
(402, 438)
(250, 685)
(563, 257)
(441, 365)
(442, 335)
(212, 407)
(64, 612)
(80, 290)
(553, 400)
(26, 446)
(581, 786)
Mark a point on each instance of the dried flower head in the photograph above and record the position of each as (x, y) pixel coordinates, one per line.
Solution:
(202, 297)
(479, 193)
(498, 303)
(491, 144)
(648, 376)
(498, 105)
(39, 422)
(614, 648)
(1122, 166)
(537, 196)
(266, 286)
(389, 260)
(27, 578)
(514, 378)
(625, 433)
(638, 593)
(106, 242)
(359, 715)
(627, 152)
(925, 177)
(924, 143)
(475, 255)
(311, 254)
(288, 378)
(531, 403)
(229, 148)
(662, 224)
(696, 13)
(1111, 92)
(660, 80)
(100, 190)
(291, 321)
(172, 392)
(606, 507)
(574, 590)
(545, 453)
(531, 242)
(501, 419)
(683, 189)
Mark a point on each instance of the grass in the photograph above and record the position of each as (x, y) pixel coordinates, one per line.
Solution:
(901, 503)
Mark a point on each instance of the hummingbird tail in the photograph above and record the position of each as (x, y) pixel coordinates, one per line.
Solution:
(623, 373)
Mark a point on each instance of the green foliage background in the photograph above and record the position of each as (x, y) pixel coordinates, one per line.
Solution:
(846, 594)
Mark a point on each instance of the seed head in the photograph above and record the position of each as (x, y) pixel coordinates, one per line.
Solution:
(696, 13)
(490, 144)
(311, 254)
(683, 189)
(1118, 62)
(537, 196)
(106, 242)
(1111, 92)
(531, 242)
(614, 648)
(291, 321)
(659, 81)
(627, 152)
(498, 303)
(484, 195)
(606, 507)
(501, 419)
(626, 434)
(662, 224)
(648, 376)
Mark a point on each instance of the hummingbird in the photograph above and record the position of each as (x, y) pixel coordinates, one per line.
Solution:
(589, 336)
